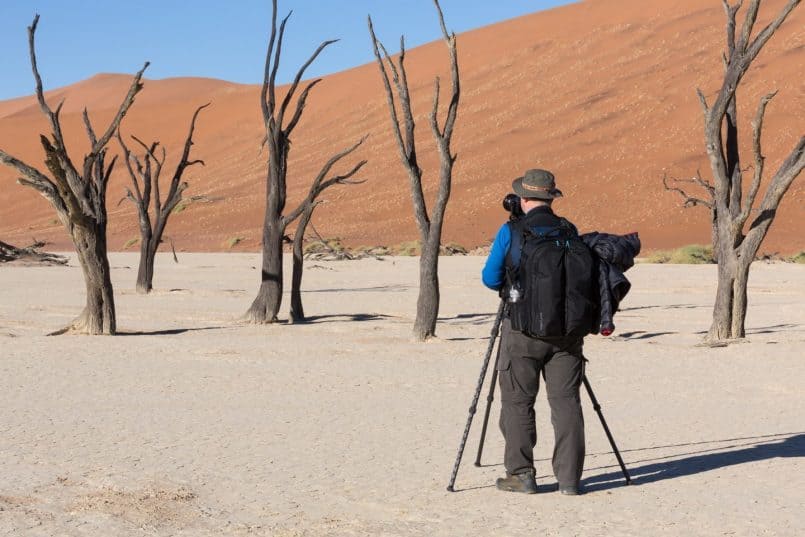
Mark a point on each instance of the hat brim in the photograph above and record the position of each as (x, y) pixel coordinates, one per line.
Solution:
(519, 189)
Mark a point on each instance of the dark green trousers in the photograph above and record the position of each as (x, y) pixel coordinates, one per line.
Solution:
(560, 361)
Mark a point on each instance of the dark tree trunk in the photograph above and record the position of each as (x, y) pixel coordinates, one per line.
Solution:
(729, 312)
(145, 271)
(98, 316)
(297, 311)
(427, 304)
(721, 327)
(266, 305)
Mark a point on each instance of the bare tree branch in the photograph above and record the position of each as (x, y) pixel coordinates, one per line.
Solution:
(288, 96)
(407, 148)
(100, 143)
(183, 161)
(267, 100)
(319, 184)
(389, 93)
(757, 127)
(276, 64)
(300, 106)
(127, 158)
(690, 201)
(749, 23)
(764, 35)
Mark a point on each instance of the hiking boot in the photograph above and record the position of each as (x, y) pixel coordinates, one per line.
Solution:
(524, 483)
(569, 490)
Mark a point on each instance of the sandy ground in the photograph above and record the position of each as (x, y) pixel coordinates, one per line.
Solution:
(193, 425)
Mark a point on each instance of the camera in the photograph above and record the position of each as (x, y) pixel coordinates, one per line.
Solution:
(512, 204)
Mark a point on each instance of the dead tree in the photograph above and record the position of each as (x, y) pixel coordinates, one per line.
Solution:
(430, 226)
(153, 212)
(734, 245)
(305, 211)
(30, 254)
(266, 305)
(79, 197)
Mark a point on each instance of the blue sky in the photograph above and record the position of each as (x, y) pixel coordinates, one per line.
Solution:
(79, 38)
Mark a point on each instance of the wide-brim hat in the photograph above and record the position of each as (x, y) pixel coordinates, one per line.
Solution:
(538, 184)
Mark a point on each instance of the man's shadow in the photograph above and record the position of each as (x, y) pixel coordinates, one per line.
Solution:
(792, 446)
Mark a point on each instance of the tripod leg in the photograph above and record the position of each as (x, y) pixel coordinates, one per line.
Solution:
(474, 405)
(597, 408)
(489, 398)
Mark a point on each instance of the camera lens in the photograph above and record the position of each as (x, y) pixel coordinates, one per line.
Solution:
(512, 204)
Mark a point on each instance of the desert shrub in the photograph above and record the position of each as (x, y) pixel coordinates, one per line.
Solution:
(409, 248)
(658, 256)
(181, 206)
(692, 254)
(452, 248)
(326, 245)
(373, 250)
(186, 202)
(231, 242)
(131, 242)
(798, 258)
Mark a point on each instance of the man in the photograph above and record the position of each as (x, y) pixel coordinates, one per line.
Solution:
(523, 358)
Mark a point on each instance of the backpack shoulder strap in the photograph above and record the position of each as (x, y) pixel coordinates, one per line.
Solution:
(515, 247)
(565, 223)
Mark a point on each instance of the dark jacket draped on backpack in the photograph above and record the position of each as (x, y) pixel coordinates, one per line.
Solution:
(616, 255)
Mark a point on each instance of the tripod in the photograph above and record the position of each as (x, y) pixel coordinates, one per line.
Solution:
(490, 397)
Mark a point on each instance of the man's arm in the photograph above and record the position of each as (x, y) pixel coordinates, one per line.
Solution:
(494, 272)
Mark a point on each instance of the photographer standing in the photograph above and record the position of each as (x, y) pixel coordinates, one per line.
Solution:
(544, 271)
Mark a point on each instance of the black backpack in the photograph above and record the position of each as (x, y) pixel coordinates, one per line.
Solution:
(555, 275)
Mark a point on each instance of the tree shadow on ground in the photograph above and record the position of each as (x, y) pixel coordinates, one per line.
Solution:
(773, 329)
(168, 332)
(639, 334)
(385, 288)
(664, 306)
(340, 317)
(697, 462)
(469, 318)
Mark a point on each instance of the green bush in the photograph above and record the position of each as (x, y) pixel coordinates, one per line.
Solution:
(692, 254)
(659, 256)
(373, 250)
(452, 248)
(181, 206)
(410, 248)
(798, 258)
(231, 242)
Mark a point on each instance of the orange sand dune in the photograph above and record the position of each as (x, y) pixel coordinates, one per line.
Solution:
(600, 92)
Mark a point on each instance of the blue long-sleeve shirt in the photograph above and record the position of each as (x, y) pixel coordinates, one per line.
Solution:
(494, 273)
